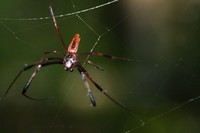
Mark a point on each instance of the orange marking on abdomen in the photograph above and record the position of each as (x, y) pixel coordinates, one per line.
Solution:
(73, 47)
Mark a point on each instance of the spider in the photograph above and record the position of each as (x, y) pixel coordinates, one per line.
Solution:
(70, 61)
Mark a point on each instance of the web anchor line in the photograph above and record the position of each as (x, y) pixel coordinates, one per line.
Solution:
(62, 15)
(165, 113)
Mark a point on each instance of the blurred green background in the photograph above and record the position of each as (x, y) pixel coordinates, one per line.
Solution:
(159, 86)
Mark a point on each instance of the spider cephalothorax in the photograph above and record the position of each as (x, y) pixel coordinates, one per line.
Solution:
(70, 62)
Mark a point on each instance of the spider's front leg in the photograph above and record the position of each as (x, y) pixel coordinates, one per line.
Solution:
(37, 69)
(105, 55)
(38, 65)
(54, 52)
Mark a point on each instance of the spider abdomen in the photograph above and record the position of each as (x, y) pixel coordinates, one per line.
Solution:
(73, 47)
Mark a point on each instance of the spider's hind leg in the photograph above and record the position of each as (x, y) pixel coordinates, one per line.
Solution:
(82, 70)
(87, 86)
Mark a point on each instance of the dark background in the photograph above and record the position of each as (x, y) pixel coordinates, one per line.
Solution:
(160, 87)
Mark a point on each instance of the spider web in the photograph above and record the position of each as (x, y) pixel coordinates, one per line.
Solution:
(160, 87)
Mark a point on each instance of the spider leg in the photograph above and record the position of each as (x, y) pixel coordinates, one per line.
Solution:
(39, 65)
(105, 55)
(56, 26)
(54, 52)
(87, 86)
(18, 75)
(29, 82)
(55, 60)
(82, 70)
(93, 64)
